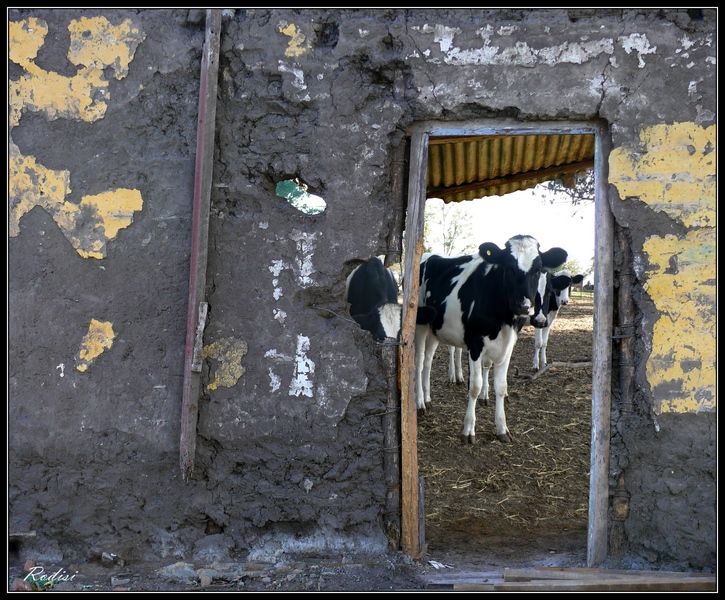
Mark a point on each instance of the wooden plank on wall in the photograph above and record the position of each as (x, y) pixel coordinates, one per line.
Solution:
(601, 359)
(199, 235)
(410, 530)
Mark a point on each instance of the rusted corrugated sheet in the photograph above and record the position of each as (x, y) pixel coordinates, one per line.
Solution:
(464, 168)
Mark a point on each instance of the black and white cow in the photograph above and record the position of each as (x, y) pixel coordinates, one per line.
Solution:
(372, 293)
(538, 320)
(557, 296)
(480, 303)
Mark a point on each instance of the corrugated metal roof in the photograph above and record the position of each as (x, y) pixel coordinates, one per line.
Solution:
(464, 168)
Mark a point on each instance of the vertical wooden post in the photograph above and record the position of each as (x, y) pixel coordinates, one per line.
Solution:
(394, 250)
(199, 237)
(601, 359)
(410, 540)
(391, 458)
(391, 421)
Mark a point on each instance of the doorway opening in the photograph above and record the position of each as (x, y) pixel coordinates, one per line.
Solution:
(553, 478)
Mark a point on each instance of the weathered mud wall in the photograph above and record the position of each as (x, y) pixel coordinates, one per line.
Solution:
(290, 450)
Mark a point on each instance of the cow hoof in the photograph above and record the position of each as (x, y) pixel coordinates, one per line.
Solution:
(468, 439)
(505, 438)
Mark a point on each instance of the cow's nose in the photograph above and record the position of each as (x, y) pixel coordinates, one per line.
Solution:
(565, 302)
(539, 320)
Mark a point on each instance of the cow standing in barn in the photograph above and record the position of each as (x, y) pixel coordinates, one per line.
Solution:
(544, 295)
(372, 293)
(558, 295)
(479, 302)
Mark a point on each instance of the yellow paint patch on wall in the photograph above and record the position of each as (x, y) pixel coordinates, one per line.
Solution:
(298, 45)
(95, 45)
(25, 38)
(31, 185)
(94, 42)
(674, 172)
(88, 226)
(682, 283)
(229, 352)
(98, 339)
(112, 211)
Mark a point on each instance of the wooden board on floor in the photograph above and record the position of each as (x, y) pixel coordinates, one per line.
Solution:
(571, 579)
(637, 583)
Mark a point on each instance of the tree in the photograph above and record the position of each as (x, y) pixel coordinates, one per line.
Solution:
(577, 188)
(447, 228)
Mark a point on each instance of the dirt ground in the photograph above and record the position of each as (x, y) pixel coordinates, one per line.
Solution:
(524, 499)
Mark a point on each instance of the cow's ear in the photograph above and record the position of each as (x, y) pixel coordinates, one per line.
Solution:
(577, 279)
(560, 282)
(553, 257)
(490, 252)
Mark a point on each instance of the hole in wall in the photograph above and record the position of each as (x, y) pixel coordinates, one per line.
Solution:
(295, 192)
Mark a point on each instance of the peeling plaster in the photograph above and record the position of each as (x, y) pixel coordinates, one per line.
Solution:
(301, 384)
(637, 42)
(303, 259)
(98, 339)
(682, 365)
(274, 381)
(279, 315)
(673, 173)
(298, 44)
(276, 268)
(229, 352)
(277, 356)
(88, 226)
(298, 75)
(95, 44)
(520, 54)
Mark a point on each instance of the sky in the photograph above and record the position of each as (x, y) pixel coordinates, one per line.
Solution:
(497, 218)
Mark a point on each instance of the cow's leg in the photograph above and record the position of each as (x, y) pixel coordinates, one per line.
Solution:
(431, 343)
(500, 386)
(451, 364)
(475, 381)
(421, 333)
(545, 340)
(485, 367)
(455, 368)
(538, 343)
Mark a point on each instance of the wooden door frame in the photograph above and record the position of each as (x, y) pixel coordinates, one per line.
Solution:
(412, 541)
